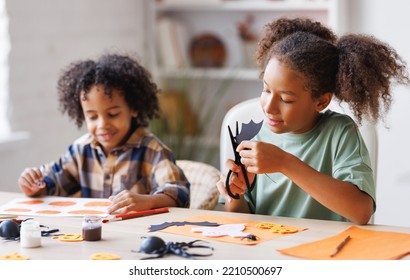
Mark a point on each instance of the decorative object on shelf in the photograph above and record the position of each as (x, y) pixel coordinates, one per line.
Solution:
(210, 91)
(249, 50)
(177, 114)
(207, 50)
(176, 134)
(249, 41)
(245, 29)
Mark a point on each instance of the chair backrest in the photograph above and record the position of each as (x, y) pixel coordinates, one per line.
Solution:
(242, 112)
(251, 110)
(203, 178)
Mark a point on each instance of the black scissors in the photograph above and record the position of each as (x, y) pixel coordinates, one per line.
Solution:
(248, 131)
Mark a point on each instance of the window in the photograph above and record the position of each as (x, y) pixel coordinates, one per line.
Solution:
(4, 71)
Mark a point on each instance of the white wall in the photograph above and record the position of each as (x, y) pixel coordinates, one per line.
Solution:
(388, 21)
(46, 35)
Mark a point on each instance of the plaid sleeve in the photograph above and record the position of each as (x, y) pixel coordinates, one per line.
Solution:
(171, 181)
(61, 176)
(166, 176)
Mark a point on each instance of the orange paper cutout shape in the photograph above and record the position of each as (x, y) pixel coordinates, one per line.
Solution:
(69, 237)
(34, 201)
(364, 244)
(48, 212)
(86, 212)
(22, 210)
(98, 204)
(14, 257)
(251, 228)
(104, 256)
(62, 203)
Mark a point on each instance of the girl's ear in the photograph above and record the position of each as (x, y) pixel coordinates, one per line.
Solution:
(323, 101)
(134, 114)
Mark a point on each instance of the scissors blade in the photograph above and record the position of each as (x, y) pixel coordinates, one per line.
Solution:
(234, 146)
(233, 140)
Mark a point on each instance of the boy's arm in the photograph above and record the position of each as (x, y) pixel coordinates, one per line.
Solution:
(170, 181)
(61, 176)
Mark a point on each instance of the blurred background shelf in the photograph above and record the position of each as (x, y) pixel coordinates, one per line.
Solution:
(227, 6)
(174, 27)
(200, 73)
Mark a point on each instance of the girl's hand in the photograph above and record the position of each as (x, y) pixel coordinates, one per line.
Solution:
(261, 157)
(31, 181)
(237, 182)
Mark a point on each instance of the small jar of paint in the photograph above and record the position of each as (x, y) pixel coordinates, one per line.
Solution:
(92, 228)
(30, 234)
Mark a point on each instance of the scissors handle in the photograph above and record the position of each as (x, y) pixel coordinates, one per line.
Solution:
(228, 188)
(234, 143)
(249, 187)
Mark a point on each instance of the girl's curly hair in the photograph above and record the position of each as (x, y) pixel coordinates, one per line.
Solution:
(357, 69)
(112, 71)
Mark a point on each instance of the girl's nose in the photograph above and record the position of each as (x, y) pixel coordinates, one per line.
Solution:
(270, 104)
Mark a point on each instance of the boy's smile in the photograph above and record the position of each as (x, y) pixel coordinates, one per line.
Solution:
(108, 119)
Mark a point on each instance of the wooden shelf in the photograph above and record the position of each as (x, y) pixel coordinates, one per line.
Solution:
(206, 73)
(234, 6)
(204, 86)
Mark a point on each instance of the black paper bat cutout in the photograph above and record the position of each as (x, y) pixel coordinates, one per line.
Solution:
(248, 131)
(179, 224)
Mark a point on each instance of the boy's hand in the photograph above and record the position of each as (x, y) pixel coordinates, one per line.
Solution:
(31, 181)
(127, 201)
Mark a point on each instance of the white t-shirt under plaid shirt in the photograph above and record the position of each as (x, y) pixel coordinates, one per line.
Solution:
(143, 165)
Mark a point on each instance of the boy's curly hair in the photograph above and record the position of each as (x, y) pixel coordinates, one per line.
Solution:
(357, 69)
(112, 71)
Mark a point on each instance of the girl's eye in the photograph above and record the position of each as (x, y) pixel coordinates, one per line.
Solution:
(92, 118)
(111, 115)
(286, 101)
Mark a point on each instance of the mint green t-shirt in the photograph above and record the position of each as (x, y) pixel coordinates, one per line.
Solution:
(334, 147)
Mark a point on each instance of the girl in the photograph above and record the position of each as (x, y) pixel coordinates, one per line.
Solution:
(315, 162)
(118, 157)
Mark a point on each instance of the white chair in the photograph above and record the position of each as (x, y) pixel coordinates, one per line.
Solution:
(251, 110)
(203, 178)
(242, 112)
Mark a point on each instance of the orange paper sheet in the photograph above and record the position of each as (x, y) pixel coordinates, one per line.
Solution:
(364, 244)
(262, 234)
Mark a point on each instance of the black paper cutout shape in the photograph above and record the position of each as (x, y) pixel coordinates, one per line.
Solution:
(248, 131)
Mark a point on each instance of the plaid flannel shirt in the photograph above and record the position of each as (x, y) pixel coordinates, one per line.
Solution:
(143, 165)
